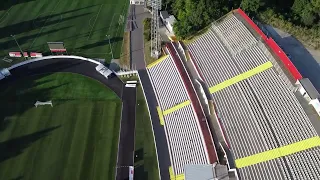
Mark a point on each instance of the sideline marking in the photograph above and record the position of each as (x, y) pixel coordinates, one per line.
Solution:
(94, 22)
(240, 77)
(157, 61)
(160, 115)
(278, 152)
(177, 107)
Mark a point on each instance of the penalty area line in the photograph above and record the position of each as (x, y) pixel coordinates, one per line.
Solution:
(95, 22)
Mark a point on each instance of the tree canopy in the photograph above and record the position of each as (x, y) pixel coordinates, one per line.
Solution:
(193, 15)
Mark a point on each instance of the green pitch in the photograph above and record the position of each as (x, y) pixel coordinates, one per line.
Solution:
(81, 24)
(77, 138)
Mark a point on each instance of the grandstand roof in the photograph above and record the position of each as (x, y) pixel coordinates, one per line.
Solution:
(262, 117)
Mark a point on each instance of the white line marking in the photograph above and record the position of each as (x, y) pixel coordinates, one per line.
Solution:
(43, 25)
(95, 21)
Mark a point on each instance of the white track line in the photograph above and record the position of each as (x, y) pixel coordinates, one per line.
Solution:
(95, 21)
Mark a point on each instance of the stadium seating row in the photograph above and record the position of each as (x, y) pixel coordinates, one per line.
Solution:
(260, 113)
(184, 136)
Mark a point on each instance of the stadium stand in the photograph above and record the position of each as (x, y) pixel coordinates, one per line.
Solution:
(260, 114)
(187, 137)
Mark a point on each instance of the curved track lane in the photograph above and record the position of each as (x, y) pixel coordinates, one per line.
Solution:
(86, 68)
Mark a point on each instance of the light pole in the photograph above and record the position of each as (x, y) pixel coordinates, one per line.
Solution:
(108, 36)
(13, 36)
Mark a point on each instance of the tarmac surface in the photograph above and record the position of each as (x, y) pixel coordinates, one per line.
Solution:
(138, 14)
(86, 68)
(158, 129)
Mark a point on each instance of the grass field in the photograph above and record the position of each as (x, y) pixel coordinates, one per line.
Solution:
(145, 165)
(81, 24)
(75, 139)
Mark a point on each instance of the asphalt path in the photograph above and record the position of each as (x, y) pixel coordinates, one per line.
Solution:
(86, 68)
(137, 45)
(158, 129)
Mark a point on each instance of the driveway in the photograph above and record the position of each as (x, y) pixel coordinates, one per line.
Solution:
(306, 60)
(138, 14)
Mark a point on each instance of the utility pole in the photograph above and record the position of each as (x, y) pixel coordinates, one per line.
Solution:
(13, 36)
(108, 36)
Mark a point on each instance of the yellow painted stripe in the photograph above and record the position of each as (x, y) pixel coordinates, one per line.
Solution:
(160, 115)
(173, 177)
(157, 61)
(177, 107)
(241, 77)
(278, 152)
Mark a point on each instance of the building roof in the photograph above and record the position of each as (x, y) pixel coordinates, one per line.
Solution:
(164, 14)
(207, 171)
(171, 20)
(308, 86)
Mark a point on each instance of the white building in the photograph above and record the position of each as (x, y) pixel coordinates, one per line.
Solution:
(137, 2)
(168, 20)
(309, 92)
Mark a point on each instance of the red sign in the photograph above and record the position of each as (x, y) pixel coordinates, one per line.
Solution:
(34, 54)
(58, 50)
(15, 54)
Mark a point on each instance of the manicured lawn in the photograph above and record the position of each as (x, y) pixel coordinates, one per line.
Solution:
(77, 138)
(81, 24)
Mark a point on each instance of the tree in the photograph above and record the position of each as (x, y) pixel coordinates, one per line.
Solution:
(251, 5)
(182, 29)
(307, 15)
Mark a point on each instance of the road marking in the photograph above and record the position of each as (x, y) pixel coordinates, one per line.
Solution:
(177, 107)
(278, 152)
(175, 177)
(241, 77)
(160, 115)
(157, 61)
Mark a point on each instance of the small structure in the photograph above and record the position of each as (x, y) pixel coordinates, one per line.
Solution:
(4, 73)
(209, 171)
(137, 2)
(309, 92)
(39, 103)
(168, 20)
(104, 70)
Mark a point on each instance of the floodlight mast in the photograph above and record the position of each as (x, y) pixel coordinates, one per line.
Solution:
(155, 37)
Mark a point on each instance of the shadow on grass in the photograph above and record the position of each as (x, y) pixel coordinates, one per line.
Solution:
(138, 155)
(12, 44)
(20, 96)
(101, 43)
(26, 26)
(6, 4)
(140, 173)
(16, 146)
(17, 178)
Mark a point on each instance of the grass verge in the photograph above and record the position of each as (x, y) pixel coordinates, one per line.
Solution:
(125, 52)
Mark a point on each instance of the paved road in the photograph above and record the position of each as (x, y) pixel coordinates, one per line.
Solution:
(126, 143)
(137, 46)
(306, 60)
(160, 137)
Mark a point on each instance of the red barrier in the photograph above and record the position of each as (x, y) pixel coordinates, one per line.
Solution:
(211, 149)
(273, 45)
(284, 58)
